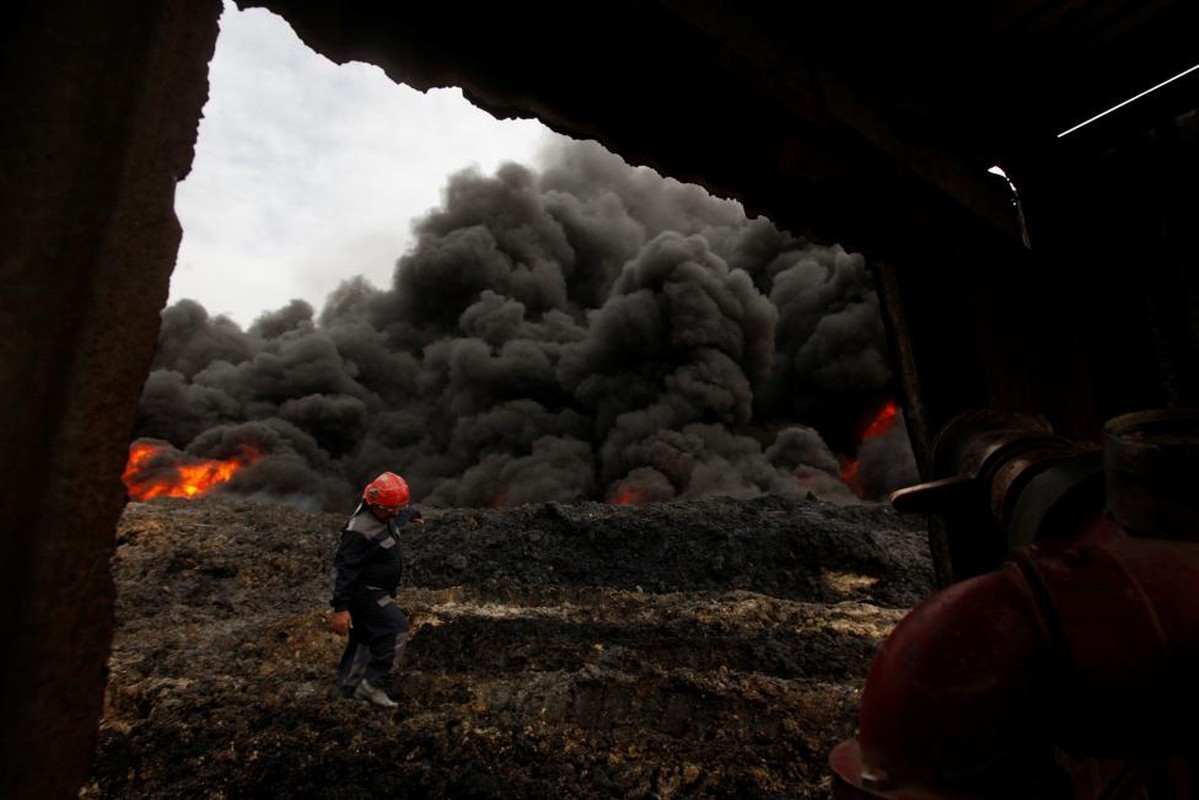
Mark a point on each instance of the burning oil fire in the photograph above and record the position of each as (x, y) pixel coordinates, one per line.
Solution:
(156, 469)
(882, 422)
(629, 495)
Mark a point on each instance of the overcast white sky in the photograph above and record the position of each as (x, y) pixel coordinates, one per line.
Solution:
(307, 172)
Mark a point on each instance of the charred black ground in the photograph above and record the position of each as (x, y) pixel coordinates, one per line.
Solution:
(708, 648)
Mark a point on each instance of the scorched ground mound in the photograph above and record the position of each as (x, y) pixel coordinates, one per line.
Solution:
(712, 648)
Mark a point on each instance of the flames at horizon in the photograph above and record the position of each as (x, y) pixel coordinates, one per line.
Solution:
(157, 469)
(585, 331)
(881, 425)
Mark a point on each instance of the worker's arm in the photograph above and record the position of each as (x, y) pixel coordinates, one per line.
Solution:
(353, 552)
(409, 515)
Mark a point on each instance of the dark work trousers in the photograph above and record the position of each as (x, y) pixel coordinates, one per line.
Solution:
(376, 641)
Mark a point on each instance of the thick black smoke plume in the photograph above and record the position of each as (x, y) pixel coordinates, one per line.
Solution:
(591, 331)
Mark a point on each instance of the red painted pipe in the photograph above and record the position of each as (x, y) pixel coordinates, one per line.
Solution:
(1090, 646)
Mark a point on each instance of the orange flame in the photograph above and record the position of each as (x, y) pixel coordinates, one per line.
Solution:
(629, 494)
(883, 421)
(177, 474)
(849, 475)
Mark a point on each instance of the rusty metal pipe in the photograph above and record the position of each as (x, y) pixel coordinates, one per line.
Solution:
(1088, 647)
(1083, 645)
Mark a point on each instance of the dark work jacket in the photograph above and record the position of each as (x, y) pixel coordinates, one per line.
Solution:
(368, 555)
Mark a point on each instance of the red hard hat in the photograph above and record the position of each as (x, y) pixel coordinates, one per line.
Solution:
(388, 490)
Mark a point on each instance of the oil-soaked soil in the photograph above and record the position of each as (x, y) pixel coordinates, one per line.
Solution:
(707, 649)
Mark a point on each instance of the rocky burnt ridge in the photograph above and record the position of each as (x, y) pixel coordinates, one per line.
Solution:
(711, 648)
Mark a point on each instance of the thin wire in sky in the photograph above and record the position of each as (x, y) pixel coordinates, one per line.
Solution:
(1129, 100)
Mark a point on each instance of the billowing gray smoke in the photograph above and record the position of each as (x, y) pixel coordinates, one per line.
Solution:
(591, 331)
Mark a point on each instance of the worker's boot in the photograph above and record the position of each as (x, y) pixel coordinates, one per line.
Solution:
(373, 694)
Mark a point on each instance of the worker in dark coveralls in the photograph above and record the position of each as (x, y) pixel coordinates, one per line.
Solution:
(366, 574)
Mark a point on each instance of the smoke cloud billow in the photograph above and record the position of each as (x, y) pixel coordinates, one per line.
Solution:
(589, 331)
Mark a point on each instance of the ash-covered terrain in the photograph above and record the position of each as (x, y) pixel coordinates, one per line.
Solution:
(708, 648)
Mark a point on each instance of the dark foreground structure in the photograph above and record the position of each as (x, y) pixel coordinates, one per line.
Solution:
(869, 124)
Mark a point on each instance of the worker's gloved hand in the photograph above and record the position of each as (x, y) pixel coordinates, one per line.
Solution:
(341, 623)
